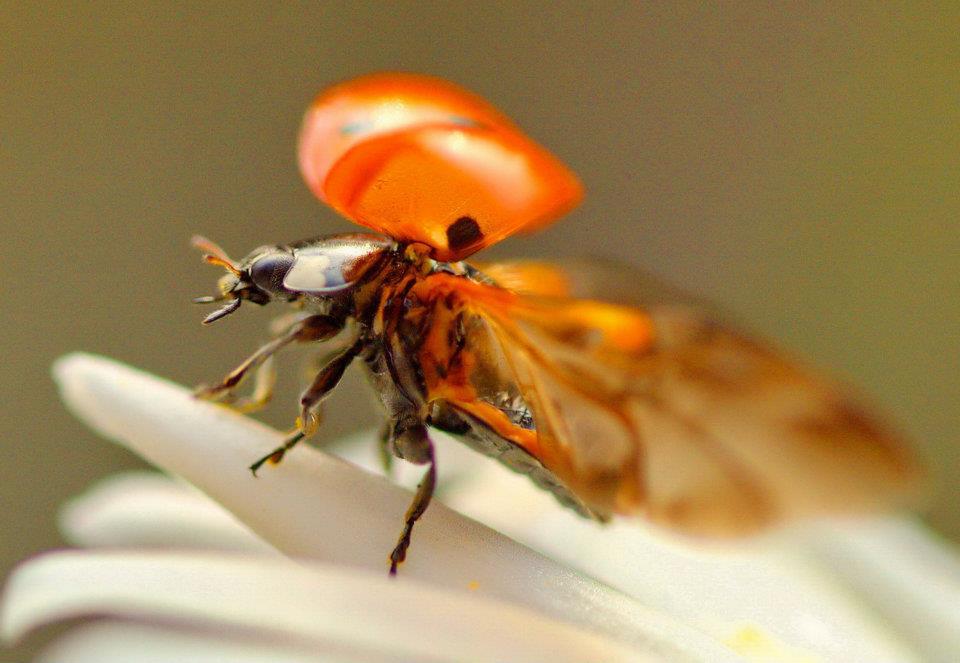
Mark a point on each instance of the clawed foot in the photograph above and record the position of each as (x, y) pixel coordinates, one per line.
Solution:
(224, 393)
(208, 392)
(275, 456)
(399, 553)
(420, 502)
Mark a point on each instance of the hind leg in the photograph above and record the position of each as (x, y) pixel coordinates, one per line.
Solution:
(407, 438)
(421, 500)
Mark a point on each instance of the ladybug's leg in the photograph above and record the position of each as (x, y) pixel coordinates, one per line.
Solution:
(275, 456)
(265, 378)
(314, 328)
(326, 379)
(309, 419)
(281, 323)
(408, 439)
(386, 455)
(417, 508)
(264, 381)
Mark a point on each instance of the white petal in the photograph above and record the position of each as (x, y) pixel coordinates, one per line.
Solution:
(904, 573)
(302, 606)
(147, 509)
(122, 642)
(754, 592)
(314, 505)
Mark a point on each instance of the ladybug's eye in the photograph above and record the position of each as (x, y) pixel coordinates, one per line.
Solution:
(268, 271)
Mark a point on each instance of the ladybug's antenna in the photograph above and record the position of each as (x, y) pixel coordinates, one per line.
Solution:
(213, 254)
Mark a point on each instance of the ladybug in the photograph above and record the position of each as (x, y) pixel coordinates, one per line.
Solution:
(614, 393)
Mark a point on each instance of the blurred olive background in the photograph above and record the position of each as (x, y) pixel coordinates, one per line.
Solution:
(797, 165)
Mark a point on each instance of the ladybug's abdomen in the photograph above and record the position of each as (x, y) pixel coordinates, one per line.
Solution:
(448, 355)
(480, 436)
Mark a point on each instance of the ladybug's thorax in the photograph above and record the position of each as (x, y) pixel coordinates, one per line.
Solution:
(335, 265)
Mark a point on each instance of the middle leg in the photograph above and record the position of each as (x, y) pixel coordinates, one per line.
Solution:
(309, 419)
(312, 328)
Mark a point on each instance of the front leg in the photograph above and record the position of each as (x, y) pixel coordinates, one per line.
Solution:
(264, 382)
(313, 328)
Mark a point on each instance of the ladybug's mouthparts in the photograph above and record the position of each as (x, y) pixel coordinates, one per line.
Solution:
(221, 312)
(232, 305)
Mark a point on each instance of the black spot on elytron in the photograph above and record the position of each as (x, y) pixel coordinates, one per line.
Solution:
(463, 233)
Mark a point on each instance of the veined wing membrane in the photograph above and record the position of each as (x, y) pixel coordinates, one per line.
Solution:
(664, 412)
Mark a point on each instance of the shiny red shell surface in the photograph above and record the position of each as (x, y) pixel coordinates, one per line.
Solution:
(422, 160)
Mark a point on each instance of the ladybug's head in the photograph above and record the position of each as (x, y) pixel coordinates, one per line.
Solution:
(322, 269)
(250, 279)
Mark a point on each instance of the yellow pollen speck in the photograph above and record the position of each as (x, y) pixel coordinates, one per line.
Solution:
(755, 645)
